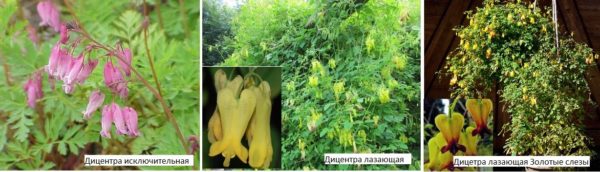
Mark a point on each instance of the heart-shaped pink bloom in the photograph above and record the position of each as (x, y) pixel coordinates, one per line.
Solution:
(114, 80)
(95, 101)
(49, 14)
(131, 120)
(124, 54)
(33, 89)
(107, 119)
(118, 118)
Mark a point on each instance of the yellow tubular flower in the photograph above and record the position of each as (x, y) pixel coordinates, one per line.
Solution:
(215, 131)
(259, 132)
(480, 110)
(338, 88)
(400, 62)
(384, 95)
(313, 81)
(470, 141)
(331, 63)
(235, 114)
(451, 127)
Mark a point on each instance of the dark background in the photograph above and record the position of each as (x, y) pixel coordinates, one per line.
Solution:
(209, 103)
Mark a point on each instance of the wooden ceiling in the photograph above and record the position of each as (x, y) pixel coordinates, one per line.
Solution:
(579, 17)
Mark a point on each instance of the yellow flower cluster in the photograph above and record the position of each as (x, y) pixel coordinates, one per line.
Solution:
(241, 110)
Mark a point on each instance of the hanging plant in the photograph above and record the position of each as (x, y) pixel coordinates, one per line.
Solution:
(513, 44)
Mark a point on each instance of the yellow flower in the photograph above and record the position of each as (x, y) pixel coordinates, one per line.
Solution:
(400, 62)
(488, 53)
(438, 161)
(450, 127)
(533, 100)
(491, 34)
(384, 95)
(263, 45)
(470, 141)
(544, 29)
(258, 132)
(362, 134)
(235, 112)
(376, 120)
(331, 63)
(301, 144)
(531, 20)
(370, 43)
(453, 80)
(313, 81)
(338, 88)
(480, 110)
(316, 66)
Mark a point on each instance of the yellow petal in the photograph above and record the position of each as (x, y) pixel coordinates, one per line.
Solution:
(235, 115)
(480, 110)
(260, 145)
(215, 132)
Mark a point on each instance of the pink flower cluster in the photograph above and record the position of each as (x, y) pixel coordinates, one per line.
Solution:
(49, 14)
(63, 65)
(125, 120)
(33, 88)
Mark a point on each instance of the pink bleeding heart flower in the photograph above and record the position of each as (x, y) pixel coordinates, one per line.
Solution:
(33, 89)
(86, 70)
(118, 119)
(55, 60)
(96, 100)
(114, 80)
(71, 74)
(107, 120)
(49, 14)
(131, 120)
(125, 59)
(63, 65)
(64, 34)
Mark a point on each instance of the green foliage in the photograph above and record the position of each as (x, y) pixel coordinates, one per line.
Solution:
(56, 133)
(216, 30)
(514, 44)
(351, 75)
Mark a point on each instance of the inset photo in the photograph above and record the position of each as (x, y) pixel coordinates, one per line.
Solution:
(241, 117)
(457, 128)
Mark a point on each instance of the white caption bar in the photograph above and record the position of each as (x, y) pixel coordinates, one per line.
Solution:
(350, 158)
(521, 161)
(138, 160)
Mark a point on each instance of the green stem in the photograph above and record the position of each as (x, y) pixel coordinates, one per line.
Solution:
(183, 18)
(148, 51)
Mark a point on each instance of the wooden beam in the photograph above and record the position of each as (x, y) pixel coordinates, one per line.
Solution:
(574, 24)
(442, 40)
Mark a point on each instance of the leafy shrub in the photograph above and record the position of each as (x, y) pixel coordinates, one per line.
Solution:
(544, 87)
(350, 78)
